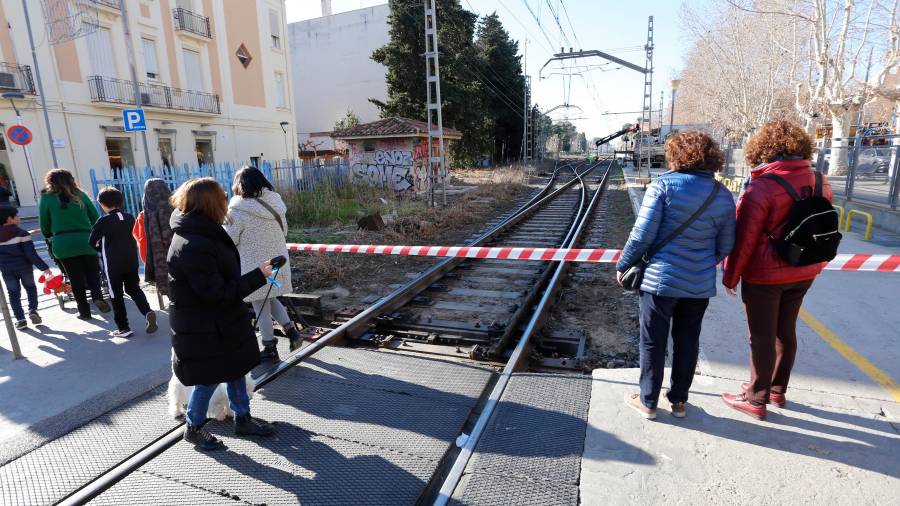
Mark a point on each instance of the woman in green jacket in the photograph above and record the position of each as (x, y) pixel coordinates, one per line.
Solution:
(66, 218)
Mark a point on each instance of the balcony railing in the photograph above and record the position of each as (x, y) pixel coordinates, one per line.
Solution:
(16, 77)
(120, 91)
(113, 4)
(192, 22)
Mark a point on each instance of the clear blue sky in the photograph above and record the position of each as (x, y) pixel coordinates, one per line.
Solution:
(598, 24)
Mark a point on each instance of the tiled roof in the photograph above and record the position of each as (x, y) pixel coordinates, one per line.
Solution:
(389, 127)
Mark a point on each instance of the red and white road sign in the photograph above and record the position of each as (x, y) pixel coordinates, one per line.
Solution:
(19, 134)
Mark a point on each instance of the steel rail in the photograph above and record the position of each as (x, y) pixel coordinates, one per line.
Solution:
(540, 314)
(395, 299)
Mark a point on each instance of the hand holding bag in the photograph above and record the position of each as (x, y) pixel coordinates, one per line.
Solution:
(634, 275)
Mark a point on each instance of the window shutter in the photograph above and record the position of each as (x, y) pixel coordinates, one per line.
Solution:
(275, 28)
(151, 65)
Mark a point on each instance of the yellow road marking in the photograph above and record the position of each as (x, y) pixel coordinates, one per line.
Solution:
(861, 362)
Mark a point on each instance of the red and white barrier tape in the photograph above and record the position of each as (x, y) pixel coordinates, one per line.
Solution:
(851, 262)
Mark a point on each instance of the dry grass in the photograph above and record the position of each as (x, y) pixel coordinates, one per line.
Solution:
(409, 221)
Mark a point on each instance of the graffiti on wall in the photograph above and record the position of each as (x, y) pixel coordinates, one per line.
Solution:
(393, 165)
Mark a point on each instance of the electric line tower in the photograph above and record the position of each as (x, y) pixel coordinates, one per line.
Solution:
(437, 160)
(646, 111)
(528, 131)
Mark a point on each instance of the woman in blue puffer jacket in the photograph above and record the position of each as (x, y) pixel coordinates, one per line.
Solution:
(681, 277)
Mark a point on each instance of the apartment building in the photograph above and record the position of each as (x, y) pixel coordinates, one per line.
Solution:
(334, 71)
(213, 77)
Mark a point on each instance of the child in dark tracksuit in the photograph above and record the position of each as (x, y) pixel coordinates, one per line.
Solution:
(18, 258)
(111, 236)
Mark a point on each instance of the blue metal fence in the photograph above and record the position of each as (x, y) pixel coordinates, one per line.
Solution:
(287, 176)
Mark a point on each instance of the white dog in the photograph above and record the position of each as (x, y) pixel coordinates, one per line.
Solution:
(218, 404)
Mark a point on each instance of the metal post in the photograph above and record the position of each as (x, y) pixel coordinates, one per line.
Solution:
(895, 178)
(525, 106)
(433, 102)
(646, 112)
(661, 98)
(28, 162)
(134, 81)
(41, 95)
(672, 112)
(10, 328)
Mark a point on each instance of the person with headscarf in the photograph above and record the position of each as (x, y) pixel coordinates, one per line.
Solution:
(153, 233)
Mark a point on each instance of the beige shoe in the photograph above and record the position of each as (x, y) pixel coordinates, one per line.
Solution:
(679, 409)
(633, 401)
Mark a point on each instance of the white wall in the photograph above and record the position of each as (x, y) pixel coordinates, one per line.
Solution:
(332, 69)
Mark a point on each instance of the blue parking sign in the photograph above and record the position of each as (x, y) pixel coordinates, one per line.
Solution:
(134, 120)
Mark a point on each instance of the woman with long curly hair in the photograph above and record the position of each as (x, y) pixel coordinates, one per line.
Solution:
(66, 216)
(772, 290)
(680, 265)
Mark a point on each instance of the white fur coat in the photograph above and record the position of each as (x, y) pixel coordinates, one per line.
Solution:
(259, 237)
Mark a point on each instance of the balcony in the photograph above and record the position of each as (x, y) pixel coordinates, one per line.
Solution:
(120, 91)
(111, 4)
(16, 78)
(191, 23)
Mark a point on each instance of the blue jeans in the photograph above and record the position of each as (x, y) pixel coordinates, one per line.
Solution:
(15, 280)
(685, 317)
(198, 404)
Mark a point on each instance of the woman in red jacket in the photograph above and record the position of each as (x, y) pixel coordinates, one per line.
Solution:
(772, 289)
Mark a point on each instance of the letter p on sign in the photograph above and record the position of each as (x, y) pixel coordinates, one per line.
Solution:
(134, 120)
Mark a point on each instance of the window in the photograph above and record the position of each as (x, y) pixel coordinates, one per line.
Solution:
(193, 70)
(368, 146)
(101, 53)
(275, 28)
(280, 100)
(151, 64)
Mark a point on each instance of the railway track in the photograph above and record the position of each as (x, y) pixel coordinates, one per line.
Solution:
(470, 310)
(475, 309)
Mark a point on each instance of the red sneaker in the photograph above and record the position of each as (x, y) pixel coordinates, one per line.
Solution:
(775, 398)
(740, 403)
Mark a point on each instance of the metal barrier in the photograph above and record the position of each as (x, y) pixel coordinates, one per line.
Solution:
(840, 215)
(868, 216)
(863, 168)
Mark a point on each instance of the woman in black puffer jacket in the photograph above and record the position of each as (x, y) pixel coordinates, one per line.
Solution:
(212, 337)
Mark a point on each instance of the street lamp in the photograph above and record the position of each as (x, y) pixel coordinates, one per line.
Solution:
(674, 85)
(287, 152)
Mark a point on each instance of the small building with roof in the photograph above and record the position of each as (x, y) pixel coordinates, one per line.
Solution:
(391, 152)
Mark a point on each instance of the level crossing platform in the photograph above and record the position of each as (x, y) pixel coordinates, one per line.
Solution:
(371, 427)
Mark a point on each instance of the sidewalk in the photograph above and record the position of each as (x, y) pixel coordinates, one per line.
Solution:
(837, 441)
(72, 370)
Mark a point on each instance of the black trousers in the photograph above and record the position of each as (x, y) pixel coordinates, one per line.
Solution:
(684, 316)
(120, 284)
(84, 274)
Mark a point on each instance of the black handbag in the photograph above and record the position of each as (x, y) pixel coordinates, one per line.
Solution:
(634, 275)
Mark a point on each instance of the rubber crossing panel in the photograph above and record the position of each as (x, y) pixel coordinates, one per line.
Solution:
(353, 427)
(530, 452)
(51, 472)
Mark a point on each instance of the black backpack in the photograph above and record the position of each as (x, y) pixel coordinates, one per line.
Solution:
(810, 235)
